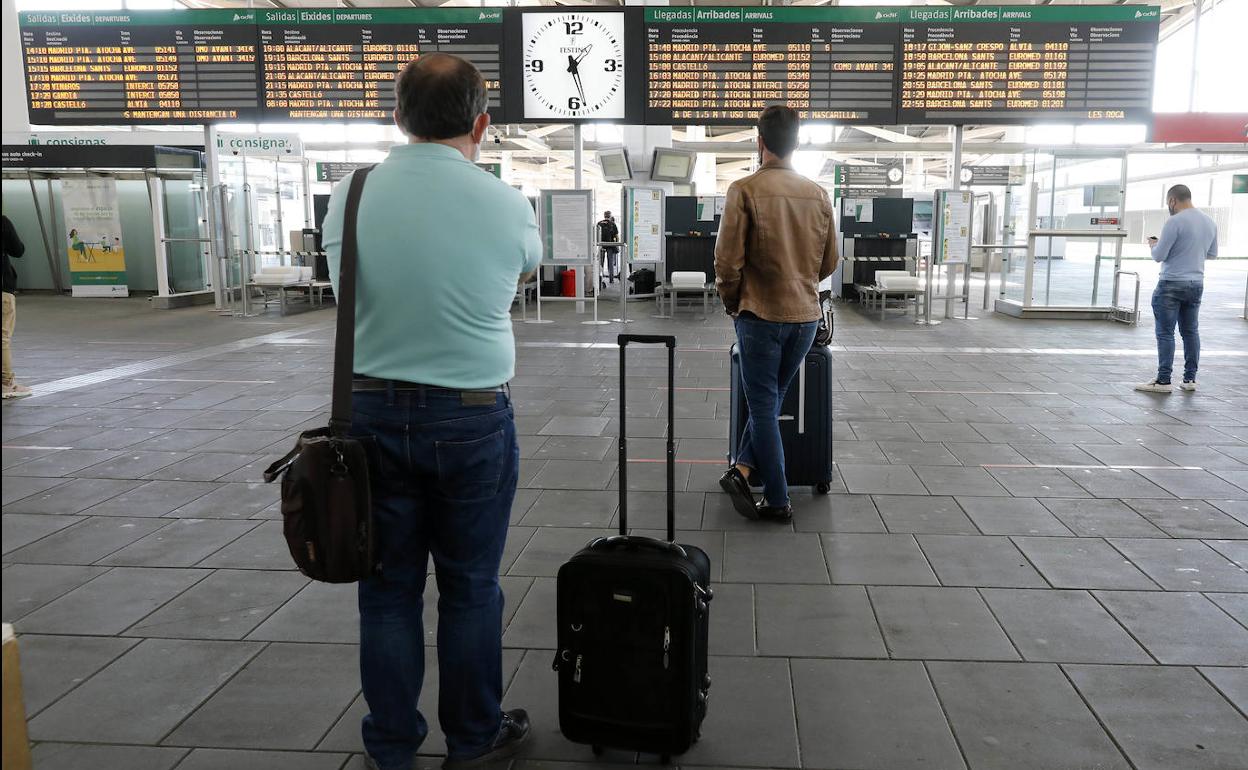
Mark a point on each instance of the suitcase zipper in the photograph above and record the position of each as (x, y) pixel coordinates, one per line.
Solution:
(667, 643)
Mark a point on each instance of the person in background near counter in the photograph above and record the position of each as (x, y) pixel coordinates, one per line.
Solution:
(609, 232)
(434, 352)
(1189, 237)
(777, 241)
(13, 249)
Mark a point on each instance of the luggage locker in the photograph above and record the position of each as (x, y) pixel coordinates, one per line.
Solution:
(633, 615)
(805, 420)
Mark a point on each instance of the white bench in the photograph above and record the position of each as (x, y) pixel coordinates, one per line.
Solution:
(275, 282)
(686, 282)
(891, 283)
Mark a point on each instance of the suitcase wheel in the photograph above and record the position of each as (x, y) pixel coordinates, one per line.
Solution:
(823, 487)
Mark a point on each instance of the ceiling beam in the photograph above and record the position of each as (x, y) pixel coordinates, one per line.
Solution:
(736, 136)
(884, 133)
(541, 131)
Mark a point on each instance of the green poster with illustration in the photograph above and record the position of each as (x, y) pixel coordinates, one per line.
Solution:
(92, 233)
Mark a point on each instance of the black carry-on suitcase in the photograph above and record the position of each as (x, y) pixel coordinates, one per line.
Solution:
(633, 616)
(805, 420)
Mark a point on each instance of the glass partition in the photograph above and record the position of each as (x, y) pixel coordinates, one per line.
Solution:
(186, 233)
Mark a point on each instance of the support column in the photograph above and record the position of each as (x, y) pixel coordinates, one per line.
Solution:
(578, 153)
(705, 181)
(13, 115)
(212, 178)
(955, 183)
(1191, 88)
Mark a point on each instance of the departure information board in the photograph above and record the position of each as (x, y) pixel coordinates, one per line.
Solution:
(149, 67)
(724, 65)
(1015, 64)
(340, 64)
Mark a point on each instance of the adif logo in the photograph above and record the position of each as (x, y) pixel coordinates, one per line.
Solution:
(879, 15)
(237, 17)
(1138, 14)
(885, 15)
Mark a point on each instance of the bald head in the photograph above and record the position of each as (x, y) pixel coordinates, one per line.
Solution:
(439, 96)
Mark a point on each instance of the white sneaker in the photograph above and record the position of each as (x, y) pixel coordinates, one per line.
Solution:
(16, 391)
(1190, 387)
(1155, 387)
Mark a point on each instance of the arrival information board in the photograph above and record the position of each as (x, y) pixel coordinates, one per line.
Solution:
(1016, 64)
(340, 64)
(151, 67)
(724, 65)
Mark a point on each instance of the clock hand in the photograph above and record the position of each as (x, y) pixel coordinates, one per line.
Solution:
(572, 64)
(576, 77)
(584, 53)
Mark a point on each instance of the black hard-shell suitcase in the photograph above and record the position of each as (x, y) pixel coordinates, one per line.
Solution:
(805, 420)
(633, 616)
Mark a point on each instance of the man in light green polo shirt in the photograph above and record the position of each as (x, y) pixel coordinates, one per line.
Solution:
(442, 245)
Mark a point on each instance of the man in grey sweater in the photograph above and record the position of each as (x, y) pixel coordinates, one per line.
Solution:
(1187, 239)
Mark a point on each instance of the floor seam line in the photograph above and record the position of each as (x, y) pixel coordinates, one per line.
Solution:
(1088, 705)
(141, 367)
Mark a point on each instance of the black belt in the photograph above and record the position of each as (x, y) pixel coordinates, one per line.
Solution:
(374, 384)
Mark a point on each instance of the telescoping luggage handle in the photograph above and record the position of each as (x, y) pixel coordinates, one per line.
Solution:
(670, 342)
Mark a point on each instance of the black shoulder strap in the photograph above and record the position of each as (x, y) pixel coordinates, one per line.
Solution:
(344, 335)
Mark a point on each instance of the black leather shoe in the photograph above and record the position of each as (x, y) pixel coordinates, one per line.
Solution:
(738, 489)
(512, 734)
(773, 513)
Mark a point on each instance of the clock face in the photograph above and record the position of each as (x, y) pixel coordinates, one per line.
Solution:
(574, 66)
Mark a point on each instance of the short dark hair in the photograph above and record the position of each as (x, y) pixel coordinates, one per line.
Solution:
(778, 126)
(1180, 192)
(439, 96)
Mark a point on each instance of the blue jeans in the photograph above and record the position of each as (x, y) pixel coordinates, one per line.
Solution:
(1177, 301)
(612, 254)
(771, 353)
(443, 477)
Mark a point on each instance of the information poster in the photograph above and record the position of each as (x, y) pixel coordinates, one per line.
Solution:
(566, 225)
(644, 207)
(952, 237)
(92, 237)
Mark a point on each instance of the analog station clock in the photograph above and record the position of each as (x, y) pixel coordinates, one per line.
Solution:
(574, 66)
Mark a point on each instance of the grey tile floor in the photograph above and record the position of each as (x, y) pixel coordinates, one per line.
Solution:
(1022, 564)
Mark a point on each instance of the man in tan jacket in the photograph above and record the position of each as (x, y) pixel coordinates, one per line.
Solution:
(777, 241)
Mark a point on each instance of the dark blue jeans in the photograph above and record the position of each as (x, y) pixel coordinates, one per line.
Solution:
(443, 478)
(1177, 301)
(771, 353)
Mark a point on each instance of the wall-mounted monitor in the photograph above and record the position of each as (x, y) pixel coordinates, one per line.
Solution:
(672, 165)
(615, 165)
